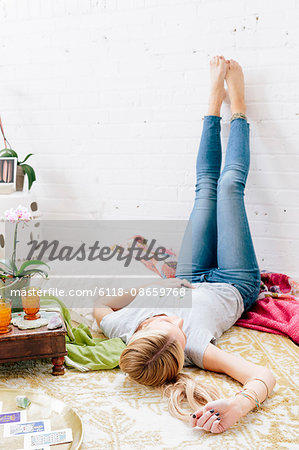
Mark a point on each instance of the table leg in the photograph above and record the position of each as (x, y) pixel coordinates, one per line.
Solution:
(58, 368)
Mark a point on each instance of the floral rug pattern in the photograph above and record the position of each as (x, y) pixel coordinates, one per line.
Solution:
(120, 415)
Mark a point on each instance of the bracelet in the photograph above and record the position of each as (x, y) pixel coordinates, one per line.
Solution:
(251, 390)
(254, 397)
(258, 379)
(249, 396)
(238, 116)
(256, 401)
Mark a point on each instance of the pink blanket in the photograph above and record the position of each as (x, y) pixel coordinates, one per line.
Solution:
(273, 316)
(276, 309)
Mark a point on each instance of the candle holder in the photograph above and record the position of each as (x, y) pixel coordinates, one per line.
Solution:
(30, 302)
(5, 315)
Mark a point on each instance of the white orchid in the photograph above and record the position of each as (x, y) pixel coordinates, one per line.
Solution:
(20, 214)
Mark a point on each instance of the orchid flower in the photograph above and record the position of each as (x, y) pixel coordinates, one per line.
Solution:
(19, 215)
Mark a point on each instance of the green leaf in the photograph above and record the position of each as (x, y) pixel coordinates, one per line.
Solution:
(28, 156)
(31, 271)
(5, 265)
(35, 262)
(29, 171)
(8, 153)
(5, 277)
(13, 266)
(5, 271)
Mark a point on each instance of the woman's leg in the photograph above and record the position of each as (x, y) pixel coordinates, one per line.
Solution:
(198, 252)
(236, 257)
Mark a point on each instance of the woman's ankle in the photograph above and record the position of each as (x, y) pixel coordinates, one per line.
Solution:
(238, 116)
(214, 110)
(238, 107)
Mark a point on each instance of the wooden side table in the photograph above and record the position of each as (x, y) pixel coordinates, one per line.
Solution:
(39, 343)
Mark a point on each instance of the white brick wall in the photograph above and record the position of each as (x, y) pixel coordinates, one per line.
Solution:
(110, 95)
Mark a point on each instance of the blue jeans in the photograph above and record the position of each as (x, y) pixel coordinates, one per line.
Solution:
(221, 243)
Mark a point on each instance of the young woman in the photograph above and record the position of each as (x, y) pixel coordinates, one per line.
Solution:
(222, 271)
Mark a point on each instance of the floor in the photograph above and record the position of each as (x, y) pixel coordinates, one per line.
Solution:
(120, 415)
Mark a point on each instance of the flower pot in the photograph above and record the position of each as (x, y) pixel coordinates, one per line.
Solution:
(20, 179)
(10, 285)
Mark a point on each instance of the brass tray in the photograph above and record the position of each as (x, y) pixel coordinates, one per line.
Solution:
(41, 407)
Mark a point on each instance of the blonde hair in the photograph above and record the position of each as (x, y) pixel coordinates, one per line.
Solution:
(153, 358)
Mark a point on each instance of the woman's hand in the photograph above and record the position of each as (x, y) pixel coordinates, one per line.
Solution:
(174, 283)
(217, 416)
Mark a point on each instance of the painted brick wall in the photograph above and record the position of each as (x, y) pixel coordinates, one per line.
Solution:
(110, 96)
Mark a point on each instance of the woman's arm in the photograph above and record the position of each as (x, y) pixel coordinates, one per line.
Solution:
(236, 367)
(108, 304)
(230, 411)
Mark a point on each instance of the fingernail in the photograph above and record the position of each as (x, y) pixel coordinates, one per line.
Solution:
(194, 416)
(211, 411)
(218, 418)
(217, 414)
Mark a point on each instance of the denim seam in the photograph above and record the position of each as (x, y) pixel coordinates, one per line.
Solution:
(253, 293)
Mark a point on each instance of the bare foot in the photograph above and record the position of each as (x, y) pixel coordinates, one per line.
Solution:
(217, 72)
(235, 83)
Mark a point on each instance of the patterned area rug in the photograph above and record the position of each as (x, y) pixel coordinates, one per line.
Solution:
(118, 414)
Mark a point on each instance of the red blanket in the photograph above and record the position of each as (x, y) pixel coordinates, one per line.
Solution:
(276, 309)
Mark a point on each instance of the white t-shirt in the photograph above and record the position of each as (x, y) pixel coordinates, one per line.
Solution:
(213, 309)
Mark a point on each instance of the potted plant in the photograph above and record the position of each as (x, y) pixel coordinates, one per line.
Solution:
(22, 168)
(14, 278)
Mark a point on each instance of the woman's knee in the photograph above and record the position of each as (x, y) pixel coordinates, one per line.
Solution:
(231, 181)
(206, 186)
